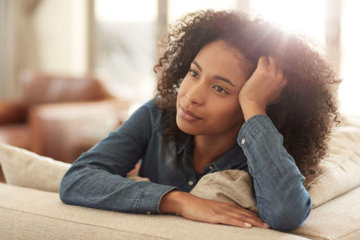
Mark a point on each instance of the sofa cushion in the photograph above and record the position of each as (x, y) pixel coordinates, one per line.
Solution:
(27, 169)
(24, 208)
(335, 219)
(339, 172)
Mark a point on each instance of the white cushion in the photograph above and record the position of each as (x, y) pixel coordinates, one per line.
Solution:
(339, 172)
(27, 169)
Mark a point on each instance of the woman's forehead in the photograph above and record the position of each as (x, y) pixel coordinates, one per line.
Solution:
(221, 59)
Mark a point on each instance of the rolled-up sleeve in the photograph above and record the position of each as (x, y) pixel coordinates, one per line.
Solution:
(97, 179)
(282, 200)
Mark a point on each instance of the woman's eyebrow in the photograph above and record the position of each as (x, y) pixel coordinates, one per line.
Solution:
(196, 64)
(215, 76)
(225, 80)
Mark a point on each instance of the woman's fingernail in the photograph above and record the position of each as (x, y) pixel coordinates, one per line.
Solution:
(266, 225)
(248, 225)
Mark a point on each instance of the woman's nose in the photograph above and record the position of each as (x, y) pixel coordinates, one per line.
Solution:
(196, 93)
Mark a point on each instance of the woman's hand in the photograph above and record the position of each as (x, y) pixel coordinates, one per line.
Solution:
(263, 88)
(210, 211)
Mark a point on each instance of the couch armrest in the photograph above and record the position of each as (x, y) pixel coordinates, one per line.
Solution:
(64, 131)
(12, 112)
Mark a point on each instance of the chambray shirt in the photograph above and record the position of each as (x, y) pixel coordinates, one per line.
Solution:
(98, 178)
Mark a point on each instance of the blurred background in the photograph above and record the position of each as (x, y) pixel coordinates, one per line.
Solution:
(116, 39)
(71, 70)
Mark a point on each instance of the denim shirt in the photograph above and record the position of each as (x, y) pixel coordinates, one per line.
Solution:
(98, 178)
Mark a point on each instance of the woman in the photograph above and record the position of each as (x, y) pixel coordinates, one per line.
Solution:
(232, 94)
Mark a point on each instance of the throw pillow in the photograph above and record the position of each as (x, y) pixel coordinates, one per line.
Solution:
(27, 169)
(225, 186)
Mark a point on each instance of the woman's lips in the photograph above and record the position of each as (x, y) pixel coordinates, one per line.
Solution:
(188, 115)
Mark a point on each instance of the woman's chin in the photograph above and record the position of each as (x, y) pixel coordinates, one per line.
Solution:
(186, 127)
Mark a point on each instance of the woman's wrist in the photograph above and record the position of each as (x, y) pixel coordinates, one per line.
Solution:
(172, 202)
(252, 108)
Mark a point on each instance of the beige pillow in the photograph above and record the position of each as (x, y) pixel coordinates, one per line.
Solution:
(27, 169)
(339, 172)
(227, 186)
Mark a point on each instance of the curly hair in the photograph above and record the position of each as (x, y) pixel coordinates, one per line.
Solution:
(307, 110)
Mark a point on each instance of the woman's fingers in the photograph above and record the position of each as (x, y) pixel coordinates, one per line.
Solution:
(240, 220)
(263, 61)
(212, 211)
(272, 64)
(246, 216)
(229, 220)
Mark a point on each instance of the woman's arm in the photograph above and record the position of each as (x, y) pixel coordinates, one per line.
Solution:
(282, 200)
(97, 178)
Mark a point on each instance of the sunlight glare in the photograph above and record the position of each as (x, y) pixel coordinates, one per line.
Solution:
(349, 88)
(299, 16)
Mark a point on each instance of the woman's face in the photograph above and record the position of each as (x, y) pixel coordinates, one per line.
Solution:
(207, 101)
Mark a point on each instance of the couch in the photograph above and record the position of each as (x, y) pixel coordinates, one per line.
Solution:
(54, 114)
(30, 207)
(36, 89)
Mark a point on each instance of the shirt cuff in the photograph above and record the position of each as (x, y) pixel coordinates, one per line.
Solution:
(253, 126)
(149, 200)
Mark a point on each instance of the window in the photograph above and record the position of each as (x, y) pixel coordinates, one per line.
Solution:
(125, 38)
(308, 17)
(301, 16)
(350, 49)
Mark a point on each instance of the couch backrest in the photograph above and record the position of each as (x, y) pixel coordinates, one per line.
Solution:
(39, 88)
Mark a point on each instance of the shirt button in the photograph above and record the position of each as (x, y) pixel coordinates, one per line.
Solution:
(148, 212)
(211, 167)
(243, 141)
(190, 183)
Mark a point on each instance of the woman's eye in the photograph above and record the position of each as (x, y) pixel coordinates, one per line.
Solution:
(220, 90)
(193, 73)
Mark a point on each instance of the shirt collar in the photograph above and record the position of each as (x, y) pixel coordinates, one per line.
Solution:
(233, 159)
(184, 144)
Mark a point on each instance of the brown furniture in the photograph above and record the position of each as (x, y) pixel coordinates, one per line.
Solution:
(64, 131)
(59, 116)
